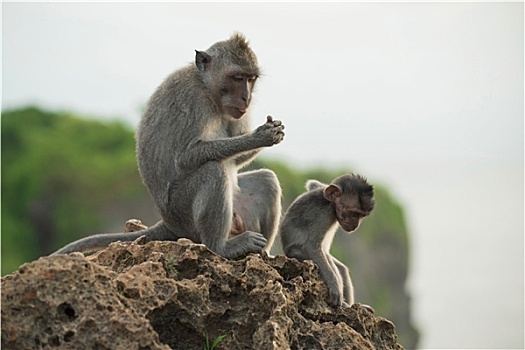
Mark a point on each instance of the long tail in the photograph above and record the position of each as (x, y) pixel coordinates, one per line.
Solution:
(159, 231)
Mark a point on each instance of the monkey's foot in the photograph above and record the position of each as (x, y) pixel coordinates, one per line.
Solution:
(368, 308)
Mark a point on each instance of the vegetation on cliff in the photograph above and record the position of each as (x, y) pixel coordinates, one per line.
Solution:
(64, 177)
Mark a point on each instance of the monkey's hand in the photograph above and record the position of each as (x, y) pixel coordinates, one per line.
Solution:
(270, 133)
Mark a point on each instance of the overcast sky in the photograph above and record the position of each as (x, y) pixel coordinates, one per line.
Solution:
(425, 98)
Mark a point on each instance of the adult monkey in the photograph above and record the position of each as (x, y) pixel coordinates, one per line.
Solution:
(193, 138)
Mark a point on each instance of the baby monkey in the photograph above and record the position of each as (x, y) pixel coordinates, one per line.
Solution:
(309, 225)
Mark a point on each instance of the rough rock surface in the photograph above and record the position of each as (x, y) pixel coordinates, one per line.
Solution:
(162, 295)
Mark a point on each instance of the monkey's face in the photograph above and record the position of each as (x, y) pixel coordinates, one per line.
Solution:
(236, 93)
(349, 215)
(229, 70)
(350, 207)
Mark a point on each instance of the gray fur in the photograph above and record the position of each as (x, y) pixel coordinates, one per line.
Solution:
(309, 225)
(313, 184)
(307, 231)
(189, 152)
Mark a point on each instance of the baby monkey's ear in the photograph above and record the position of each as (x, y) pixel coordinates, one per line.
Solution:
(332, 192)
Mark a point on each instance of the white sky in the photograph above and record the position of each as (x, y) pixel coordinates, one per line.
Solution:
(426, 98)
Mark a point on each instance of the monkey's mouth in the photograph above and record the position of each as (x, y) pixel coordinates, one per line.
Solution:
(348, 227)
(236, 112)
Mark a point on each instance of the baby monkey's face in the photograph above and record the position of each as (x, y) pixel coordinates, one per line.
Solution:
(351, 220)
(352, 199)
(349, 212)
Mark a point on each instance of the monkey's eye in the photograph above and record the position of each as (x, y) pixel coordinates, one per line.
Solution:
(238, 77)
(354, 215)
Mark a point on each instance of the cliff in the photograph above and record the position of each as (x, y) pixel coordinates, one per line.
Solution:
(179, 295)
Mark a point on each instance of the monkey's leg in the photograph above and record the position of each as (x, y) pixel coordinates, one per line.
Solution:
(212, 212)
(259, 203)
(348, 287)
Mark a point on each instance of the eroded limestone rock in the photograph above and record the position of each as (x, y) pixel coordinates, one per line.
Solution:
(162, 295)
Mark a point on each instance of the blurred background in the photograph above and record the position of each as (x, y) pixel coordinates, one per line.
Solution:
(424, 99)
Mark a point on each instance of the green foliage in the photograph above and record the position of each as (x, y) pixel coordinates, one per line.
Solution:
(62, 167)
(78, 164)
(59, 170)
(293, 180)
(170, 266)
(391, 218)
(208, 346)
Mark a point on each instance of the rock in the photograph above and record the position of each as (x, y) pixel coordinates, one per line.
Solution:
(162, 295)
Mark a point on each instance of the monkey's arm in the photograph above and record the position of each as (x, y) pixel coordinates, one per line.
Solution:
(329, 275)
(246, 158)
(203, 151)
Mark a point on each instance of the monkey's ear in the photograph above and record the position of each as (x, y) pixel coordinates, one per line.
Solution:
(331, 192)
(202, 60)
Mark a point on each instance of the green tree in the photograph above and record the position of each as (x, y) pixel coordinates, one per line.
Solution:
(56, 169)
